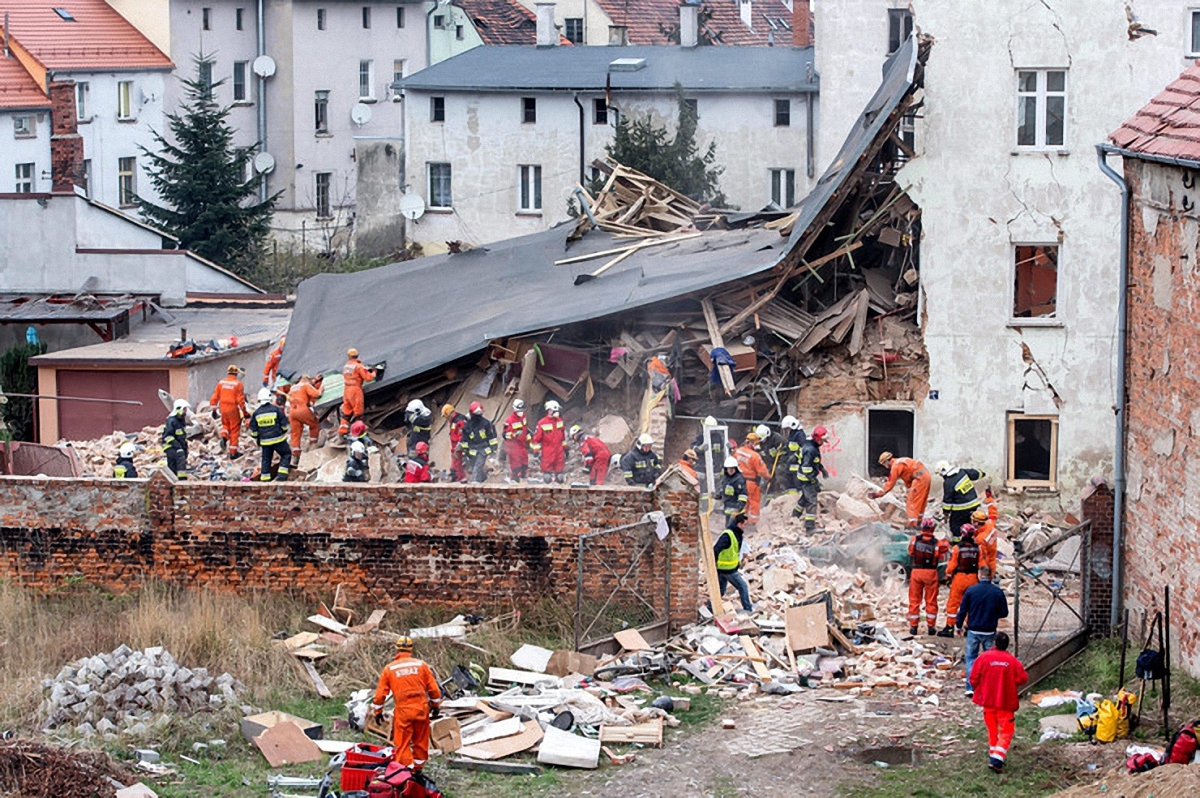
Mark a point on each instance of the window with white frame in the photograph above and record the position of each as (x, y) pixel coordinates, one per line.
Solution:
(81, 96)
(530, 178)
(25, 173)
(24, 126)
(125, 100)
(366, 80)
(1035, 281)
(440, 195)
(321, 112)
(126, 181)
(324, 209)
(574, 29)
(397, 76)
(240, 70)
(1032, 460)
(1194, 32)
(783, 187)
(1041, 108)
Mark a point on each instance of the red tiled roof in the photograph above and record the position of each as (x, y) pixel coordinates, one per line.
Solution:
(98, 38)
(650, 22)
(18, 89)
(501, 21)
(1170, 125)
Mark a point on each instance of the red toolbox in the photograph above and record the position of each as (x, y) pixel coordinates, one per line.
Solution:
(360, 765)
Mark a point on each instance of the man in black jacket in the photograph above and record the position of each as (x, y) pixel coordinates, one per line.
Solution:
(479, 441)
(734, 496)
(641, 464)
(174, 438)
(811, 470)
(269, 426)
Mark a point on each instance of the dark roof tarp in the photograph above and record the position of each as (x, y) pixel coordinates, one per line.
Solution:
(421, 314)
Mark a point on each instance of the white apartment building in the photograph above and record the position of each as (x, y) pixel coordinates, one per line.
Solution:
(24, 130)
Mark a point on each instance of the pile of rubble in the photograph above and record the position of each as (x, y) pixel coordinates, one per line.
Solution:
(131, 693)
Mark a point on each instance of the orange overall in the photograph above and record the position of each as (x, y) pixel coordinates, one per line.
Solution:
(271, 367)
(753, 469)
(925, 551)
(986, 539)
(413, 688)
(354, 374)
(963, 569)
(917, 479)
(229, 397)
(300, 414)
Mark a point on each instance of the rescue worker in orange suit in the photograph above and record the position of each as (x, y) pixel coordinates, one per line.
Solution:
(271, 369)
(516, 442)
(456, 421)
(354, 374)
(687, 464)
(985, 531)
(963, 570)
(301, 398)
(414, 689)
(926, 552)
(228, 401)
(416, 470)
(754, 469)
(915, 476)
(596, 455)
(959, 497)
(550, 440)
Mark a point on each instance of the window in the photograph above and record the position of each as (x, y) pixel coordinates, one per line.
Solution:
(1032, 450)
(1194, 30)
(81, 93)
(399, 16)
(24, 178)
(889, 429)
(694, 105)
(85, 179)
(323, 209)
(783, 113)
(458, 32)
(126, 181)
(321, 112)
(599, 111)
(574, 30)
(206, 18)
(439, 21)
(239, 80)
(1035, 285)
(531, 188)
(1041, 107)
(439, 186)
(528, 110)
(437, 109)
(24, 127)
(900, 26)
(366, 80)
(206, 77)
(320, 19)
(125, 99)
(64, 15)
(398, 70)
(783, 187)
(366, 16)
(238, 22)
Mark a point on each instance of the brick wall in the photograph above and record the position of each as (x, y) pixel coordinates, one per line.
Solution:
(1096, 558)
(1161, 544)
(66, 145)
(477, 547)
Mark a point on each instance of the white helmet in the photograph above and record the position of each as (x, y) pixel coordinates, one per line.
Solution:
(358, 448)
(127, 449)
(943, 468)
(645, 439)
(731, 462)
(709, 421)
(790, 422)
(519, 405)
(553, 406)
(762, 431)
(264, 395)
(416, 406)
(182, 404)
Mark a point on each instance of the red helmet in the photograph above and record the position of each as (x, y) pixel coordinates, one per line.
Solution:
(967, 530)
(422, 447)
(358, 428)
(819, 433)
(476, 408)
(928, 523)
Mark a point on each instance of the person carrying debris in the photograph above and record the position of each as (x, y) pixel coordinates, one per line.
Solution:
(419, 421)
(301, 399)
(271, 368)
(728, 553)
(479, 441)
(416, 470)
(228, 402)
(995, 681)
(811, 469)
(755, 471)
(550, 440)
(358, 464)
(269, 427)
(174, 438)
(641, 463)
(959, 497)
(734, 495)
(985, 535)
(916, 478)
(700, 445)
(516, 442)
(926, 552)
(123, 467)
(456, 421)
(354, 374)
(963, 570)
(982, 607)
(417, 698)
(595, 455)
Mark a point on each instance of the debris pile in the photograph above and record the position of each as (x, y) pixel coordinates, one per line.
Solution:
(633, 204)
(132, 693)
(34, 770)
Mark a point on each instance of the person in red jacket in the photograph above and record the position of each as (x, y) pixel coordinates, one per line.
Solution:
(996, 677)
(457, 421)
(550, 439)
(417, 468)
(596, 455)
(516, 442)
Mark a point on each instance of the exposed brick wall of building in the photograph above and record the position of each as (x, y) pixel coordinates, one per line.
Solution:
(1161, 544)
(66, 145)
(1096, 559)
(481, 547)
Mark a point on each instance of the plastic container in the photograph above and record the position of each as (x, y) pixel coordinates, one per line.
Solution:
(357, 779)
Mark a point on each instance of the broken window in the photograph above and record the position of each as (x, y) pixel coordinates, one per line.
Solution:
(783, 187)
(600, 111)
(1041, 107)
(900, 26)
(1035, 284)
(437, 109)
(1032, 450)
(888, 430)
(439, 186)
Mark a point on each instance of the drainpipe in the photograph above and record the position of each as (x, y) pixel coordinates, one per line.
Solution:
(262, 103)
(810, 167)
(579, 105)
(433, 6)
(1102, 151)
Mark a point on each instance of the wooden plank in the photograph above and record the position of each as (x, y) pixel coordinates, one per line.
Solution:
(505, 768)
(714, 334)
(493, 730)
(659, 240)
(317, 681)
(860, 323)
(494, 714)
(649, 733)
(806, 627)
(370, 624)
(299, 641)
(529, 736)
(307, 654)
(328, 623)
(631, 640)
(760, 669)
(842, 640)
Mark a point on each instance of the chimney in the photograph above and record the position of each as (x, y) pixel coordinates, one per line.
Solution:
(618, 35)
(745, 9)
(66, 145)
(801, 20)
(689, 24)
(547, 33)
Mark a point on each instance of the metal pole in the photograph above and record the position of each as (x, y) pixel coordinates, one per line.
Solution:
(579, 591)
(1016, 610)
(74, 398)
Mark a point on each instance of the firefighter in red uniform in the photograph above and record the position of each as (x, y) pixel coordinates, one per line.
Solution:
(271, 369)
(516, 442)
(457, 421)
(926, 552)
(229, 404)
(354, 374)
(417, 698)
(596, 455)
(550, 439)
(417, 467)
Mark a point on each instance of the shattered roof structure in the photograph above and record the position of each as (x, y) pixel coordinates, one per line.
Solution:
(1169, 125)
(421, 314)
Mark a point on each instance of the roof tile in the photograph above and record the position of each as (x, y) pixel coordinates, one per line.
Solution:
(96, 37)
(657, 22)
(1169, 125)
(18, 89)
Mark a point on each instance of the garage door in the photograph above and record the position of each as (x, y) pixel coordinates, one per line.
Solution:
(81, 421)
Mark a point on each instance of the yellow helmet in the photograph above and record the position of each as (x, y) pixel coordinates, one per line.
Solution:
(404, 643)
(979, 515)
(447, 410)
(885, 457)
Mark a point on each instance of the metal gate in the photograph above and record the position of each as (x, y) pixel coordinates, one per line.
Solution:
(1049, 600)
(624, 581)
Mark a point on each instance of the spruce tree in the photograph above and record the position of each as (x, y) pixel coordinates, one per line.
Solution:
(208, 204)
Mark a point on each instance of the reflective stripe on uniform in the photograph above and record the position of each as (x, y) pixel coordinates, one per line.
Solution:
(729, 558)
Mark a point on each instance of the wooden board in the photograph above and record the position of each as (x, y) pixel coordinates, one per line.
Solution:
(370, 624)
(649, 733)
(299, 641)
(328, 623)
(317, 681)
(494, 714)
(756, 659)
(490, 730)
(529, 736)
(506, 768)
(806, 627)
(631, 640)
(286, 744)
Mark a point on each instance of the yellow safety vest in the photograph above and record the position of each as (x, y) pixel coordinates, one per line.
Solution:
(730, 558)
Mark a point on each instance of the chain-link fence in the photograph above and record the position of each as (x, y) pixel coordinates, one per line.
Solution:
(1048, 595)
(624, 581)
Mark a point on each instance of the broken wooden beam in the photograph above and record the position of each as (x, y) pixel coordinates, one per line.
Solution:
(714, 334)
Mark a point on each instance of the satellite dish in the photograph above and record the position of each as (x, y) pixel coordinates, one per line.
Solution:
(264, 66)
(264, 162)
(412, 207)
(361, 114)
